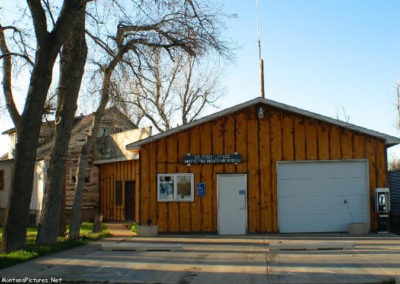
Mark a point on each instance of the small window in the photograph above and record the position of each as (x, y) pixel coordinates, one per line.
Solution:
(87, 177)
(117, 129)
(175, 187)
(2, 178)
(72, 175)
(118, 193)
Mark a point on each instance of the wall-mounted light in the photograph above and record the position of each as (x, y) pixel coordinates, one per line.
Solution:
(260, 113)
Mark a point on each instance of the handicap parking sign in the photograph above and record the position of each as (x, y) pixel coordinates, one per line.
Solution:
(201, 189)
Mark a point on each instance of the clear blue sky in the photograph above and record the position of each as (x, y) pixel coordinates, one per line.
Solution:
(324, 56)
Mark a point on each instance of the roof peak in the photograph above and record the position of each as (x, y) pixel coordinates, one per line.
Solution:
(389, 140)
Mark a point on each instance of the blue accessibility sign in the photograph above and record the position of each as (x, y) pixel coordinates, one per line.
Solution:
(201, 189)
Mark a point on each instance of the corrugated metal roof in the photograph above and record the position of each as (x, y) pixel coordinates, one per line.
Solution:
(389, 140)
(394, 185)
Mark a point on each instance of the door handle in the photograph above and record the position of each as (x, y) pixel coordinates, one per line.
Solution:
(244, 203)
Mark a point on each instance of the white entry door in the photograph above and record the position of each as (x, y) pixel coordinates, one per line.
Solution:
(232, 204)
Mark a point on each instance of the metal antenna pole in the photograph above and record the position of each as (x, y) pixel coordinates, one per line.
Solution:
(259, 50)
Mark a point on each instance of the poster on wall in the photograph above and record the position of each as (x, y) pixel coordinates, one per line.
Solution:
(183, 187)
(175, 187)
(166, 188)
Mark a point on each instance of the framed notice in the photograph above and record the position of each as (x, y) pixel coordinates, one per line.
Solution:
(175, 187)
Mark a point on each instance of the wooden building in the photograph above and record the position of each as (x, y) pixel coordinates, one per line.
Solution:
(260, 167)
(113, 121)
(394, 185)
(119, 175)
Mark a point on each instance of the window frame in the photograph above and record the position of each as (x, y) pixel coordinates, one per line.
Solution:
(174, 184)
(88, 177)
(118, 193)
(2, 180)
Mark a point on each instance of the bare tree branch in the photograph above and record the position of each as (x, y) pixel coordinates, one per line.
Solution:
(24, 56)
(101, 43)
(47, 5)
(175, 87)
(39, 19)
(7, 79)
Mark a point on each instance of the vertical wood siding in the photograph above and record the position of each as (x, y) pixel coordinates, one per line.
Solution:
(90, 194)
(279, 136)
(394, 183)
(109, 175)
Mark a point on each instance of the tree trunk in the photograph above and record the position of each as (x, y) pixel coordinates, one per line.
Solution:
(83, 162)
(17, 214)
(7, 79)
(76, 212)
(73, 59)
(48, 47)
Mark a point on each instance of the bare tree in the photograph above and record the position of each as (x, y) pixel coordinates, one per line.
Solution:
(48, 44)
(174, 26)
(73, 59)
(175, 92)
(394, 161)
(197, 90)
(106, 90)
(341, 114)
(398, 104)
(7, 58)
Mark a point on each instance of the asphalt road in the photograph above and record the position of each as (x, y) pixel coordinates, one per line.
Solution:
(216, 259)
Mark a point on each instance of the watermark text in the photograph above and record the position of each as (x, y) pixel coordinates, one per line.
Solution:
(50, 280)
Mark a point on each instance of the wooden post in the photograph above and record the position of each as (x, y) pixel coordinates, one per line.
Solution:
(97, 224)
(262, 78)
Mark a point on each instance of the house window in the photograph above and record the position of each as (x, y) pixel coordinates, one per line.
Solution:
(87, 177)
(175, 187)
(2, 182)
(118, 193)
(117, 129)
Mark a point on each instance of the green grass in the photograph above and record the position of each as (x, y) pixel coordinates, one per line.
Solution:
(32, 250)
(134, 227)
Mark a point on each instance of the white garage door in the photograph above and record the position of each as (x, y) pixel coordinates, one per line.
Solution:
(322, 196)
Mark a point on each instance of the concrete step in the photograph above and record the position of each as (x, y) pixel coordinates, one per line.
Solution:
(131, 246)
(311, 245)
(118, 225)
(120, 229)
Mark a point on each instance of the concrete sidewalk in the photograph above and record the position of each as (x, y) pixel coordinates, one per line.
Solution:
(216, 259)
